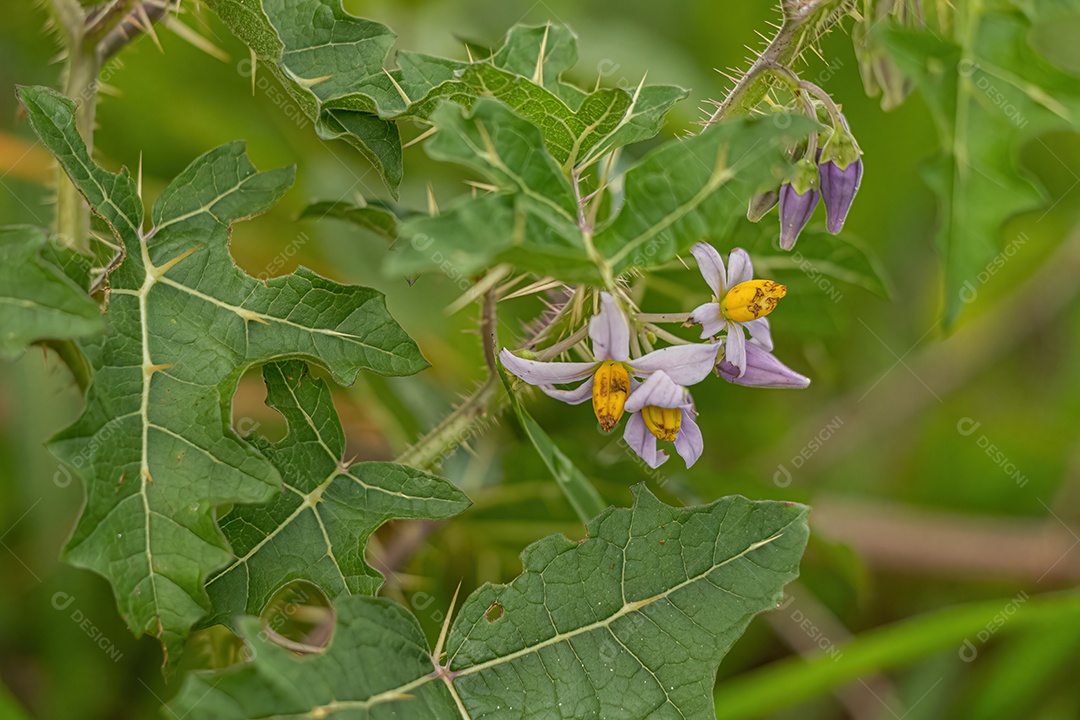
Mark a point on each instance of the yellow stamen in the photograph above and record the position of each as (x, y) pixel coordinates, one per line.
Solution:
(664, 423)
(611, 385)
(752, 299)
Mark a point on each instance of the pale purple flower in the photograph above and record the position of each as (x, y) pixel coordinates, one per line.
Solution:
(662, 409)
(762, 370)
(609, 332)
(714, 317)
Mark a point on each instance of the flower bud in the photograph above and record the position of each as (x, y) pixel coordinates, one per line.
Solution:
(611, 385)
(838, 189)
(663, 423)
(762, 370)
(762, 203)
(797, 202)
(752, 299)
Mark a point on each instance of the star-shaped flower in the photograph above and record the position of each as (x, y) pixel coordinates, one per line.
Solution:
(607, 378)
(738, 302)
(662, 410)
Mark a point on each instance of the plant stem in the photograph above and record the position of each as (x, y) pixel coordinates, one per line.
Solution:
(790, 40)
(663, 317)
(72, 212)
(461, 424)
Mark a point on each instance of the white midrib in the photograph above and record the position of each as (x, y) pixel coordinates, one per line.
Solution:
(144, 414)
(400, 693)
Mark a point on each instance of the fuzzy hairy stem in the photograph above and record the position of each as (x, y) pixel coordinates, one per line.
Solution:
(430, 450)
(804, 21)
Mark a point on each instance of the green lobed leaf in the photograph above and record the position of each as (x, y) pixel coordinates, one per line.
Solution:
(38, 301)
(989, 92)
(681, 193)
(530, 222)
(333, 64)
(318, 528)
(631, 622)
(154, 442)
(321, 53)
(568, 135)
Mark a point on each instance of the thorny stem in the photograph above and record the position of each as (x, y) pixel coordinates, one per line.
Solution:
(489, 333)
(784, 47)
(90, 42)
(585, 225)
(456, 428)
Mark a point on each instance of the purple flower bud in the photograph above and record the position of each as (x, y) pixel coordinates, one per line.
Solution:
(838, 188)
(762, 370)
(795, 212)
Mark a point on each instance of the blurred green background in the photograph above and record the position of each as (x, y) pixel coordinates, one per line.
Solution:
(943, 467)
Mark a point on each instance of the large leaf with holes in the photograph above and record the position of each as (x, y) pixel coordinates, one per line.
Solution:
(335, 67)
(318, 528)
(989, 91)
(38, 301)
(154, 443)
(631, 622)
(681, 193)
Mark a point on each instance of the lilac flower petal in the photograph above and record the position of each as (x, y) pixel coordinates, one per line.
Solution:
(762, 370)
(576, 396)
(658, 390)
(641, 441)
(709, 318)
(684, 364)
(689, 442)
(760, 332)
(838, 189)
(795, 212)
(740, 269)
(711, 266)
(609, 331)
(546, 373)
(735, 349)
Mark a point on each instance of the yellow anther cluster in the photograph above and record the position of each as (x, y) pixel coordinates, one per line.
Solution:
(611, 385)
(752, 299)
(664, 423)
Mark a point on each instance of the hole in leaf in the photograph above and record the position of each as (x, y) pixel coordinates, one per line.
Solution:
(251, 418)
(494, 612)
(299, 617)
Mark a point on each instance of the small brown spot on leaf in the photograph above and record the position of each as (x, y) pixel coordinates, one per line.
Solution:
(494, 612)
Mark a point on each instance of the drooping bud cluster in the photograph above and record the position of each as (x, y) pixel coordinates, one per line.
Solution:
(833, 177)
